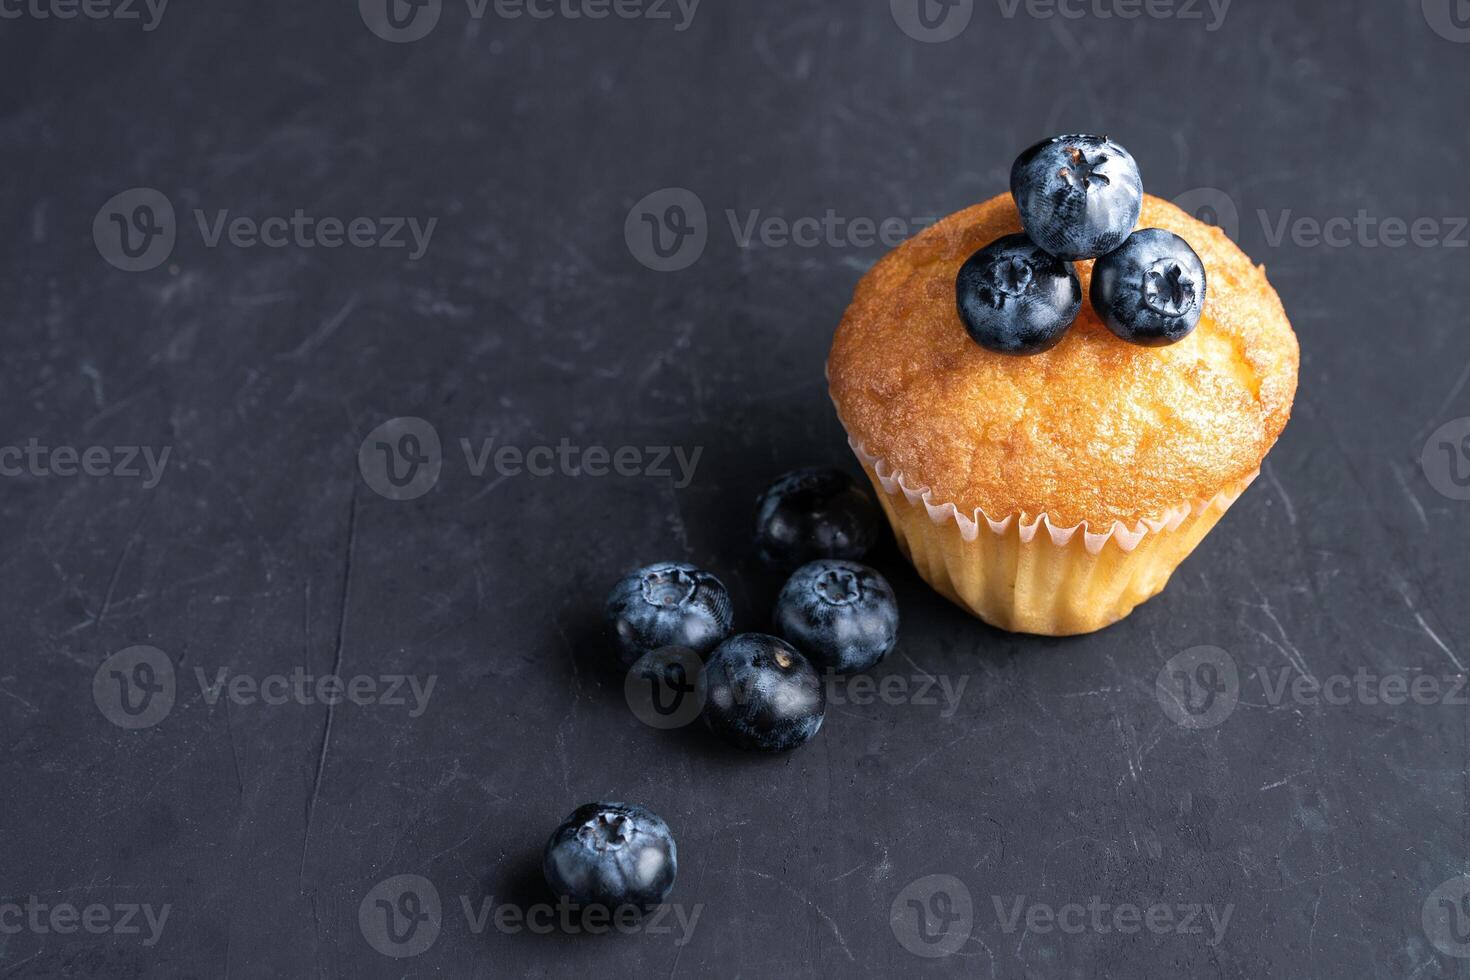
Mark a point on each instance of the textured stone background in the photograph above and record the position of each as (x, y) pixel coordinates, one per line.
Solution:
(1057, 778)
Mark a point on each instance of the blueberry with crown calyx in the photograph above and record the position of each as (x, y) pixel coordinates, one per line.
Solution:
(665, 605)
(1016, 298)
(1079, 196)
(612, 855)
(842, 615)
(1151, 291)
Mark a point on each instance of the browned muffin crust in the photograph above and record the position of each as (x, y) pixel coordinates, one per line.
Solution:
(1095, 430)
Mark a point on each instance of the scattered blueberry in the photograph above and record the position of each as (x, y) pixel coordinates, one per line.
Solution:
(1079, 196)
(612, 855)
(815, 513)
(1015, 298)
(842, 615)
(1152, 290)
(666, 605)
(762, 694)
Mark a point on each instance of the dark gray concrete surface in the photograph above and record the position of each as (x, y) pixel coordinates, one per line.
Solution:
(1056, 798)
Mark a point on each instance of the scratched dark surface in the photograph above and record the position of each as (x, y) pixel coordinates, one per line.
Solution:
(1055, 779)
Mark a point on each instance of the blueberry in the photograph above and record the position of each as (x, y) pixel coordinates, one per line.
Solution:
(1152, 290)
(842, 615)
(815, 513)
(762, 694)
(613, 855)
(1015, 298)
(1079, 196)
(666, 605)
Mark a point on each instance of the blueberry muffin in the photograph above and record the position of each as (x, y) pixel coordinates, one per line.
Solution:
(1053, 493)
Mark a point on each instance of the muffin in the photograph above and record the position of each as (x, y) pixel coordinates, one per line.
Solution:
(1052, 494)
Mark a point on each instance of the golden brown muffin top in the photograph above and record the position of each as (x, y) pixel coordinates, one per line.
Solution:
(1095, 429)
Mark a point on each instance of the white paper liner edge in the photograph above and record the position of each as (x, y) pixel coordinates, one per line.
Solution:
(1128, 539)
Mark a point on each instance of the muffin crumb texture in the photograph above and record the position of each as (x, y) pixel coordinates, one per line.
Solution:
(1093, 431)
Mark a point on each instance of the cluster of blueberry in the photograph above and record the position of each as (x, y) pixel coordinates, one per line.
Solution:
(763, 692)
(1079, 198)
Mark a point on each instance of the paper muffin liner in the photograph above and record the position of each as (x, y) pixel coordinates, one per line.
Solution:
(1067, 581)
